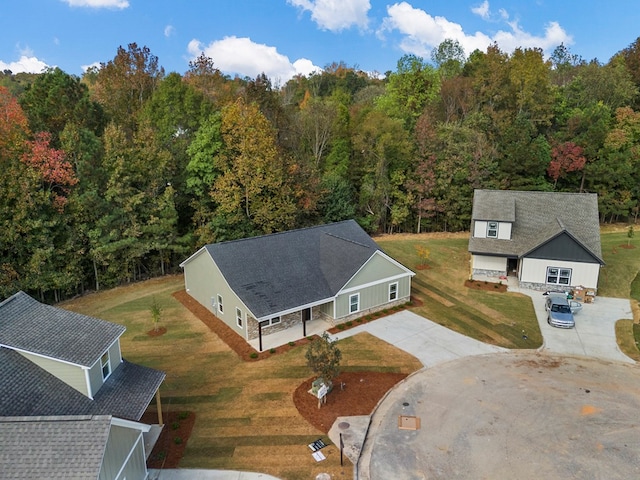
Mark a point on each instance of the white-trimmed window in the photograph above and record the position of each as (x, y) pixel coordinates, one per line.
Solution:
(492, 229)
(238, 317)
(220, 307)
(275, 321)
(106, 365)
(354, 303)
(559, 276)
(393, 291)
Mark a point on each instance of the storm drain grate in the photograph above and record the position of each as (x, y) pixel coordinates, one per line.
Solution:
(406, 422)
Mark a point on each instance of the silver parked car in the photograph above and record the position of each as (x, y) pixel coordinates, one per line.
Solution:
(559, 312)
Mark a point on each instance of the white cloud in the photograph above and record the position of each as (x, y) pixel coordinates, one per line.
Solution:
(243, 57)
(422, 32)
(121, 4)
(336, 15)
(482, 10)
(91, 65)
(169, 30)
(24, 65)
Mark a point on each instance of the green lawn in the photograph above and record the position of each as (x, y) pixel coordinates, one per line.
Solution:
(245, 417)
(496, 318)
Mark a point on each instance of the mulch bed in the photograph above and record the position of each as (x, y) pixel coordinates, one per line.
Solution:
(362, 392)
(172, 442)
(486, 286)
(238, 344)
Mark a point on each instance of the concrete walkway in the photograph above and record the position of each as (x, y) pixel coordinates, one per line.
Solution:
(196, 474)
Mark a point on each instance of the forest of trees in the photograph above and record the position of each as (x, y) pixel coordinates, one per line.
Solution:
(121, 174)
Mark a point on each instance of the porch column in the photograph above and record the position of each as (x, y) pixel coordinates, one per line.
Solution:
(159, 405)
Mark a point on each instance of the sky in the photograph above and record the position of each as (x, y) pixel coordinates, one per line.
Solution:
(283, 38)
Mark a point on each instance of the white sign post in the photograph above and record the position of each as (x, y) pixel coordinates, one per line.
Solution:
(322, 394)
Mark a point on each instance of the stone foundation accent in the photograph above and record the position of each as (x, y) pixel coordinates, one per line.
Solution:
(286, 321)
(488, 273)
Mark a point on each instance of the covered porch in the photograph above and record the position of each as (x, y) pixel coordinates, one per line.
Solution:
(315, 326)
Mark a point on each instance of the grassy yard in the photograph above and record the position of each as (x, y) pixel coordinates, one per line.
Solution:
(245, 416)
(496, 318)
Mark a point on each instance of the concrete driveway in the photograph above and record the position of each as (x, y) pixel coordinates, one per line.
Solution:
(594, 334)
(429, 342)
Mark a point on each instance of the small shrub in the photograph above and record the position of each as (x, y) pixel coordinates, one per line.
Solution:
(272, 350)
(254, 355)
(161, 455)
(183, 415)
(368, 317)
(496, 286)
(349, 323)
(292, 344)
(177, 440)
(341, 327)
(359, 320)
(175, 425)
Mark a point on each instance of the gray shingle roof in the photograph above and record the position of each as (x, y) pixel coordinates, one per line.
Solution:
(28, 390)
(26, 324)
(283, 271)
(53, 447)
(537, 217)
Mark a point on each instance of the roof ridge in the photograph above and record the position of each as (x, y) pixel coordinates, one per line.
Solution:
(346, 239)
(311, 227)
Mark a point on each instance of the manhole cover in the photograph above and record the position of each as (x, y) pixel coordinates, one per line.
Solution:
(406, 422)
(343, 425)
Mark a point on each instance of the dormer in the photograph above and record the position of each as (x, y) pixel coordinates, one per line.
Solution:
(493, 219)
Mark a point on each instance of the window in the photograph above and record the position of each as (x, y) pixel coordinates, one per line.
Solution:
(492, 229)
(274, 321)
(354, 303)
(559, 276)
(239, 317)
(106, 366)
(393, 291)
(220, 307)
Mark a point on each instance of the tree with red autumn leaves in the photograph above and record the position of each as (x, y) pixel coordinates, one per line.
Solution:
(565, 157)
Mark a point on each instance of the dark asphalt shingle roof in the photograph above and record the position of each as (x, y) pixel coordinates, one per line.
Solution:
(70, 448)
(26, 324)
(537, 217)
(282, 271)
(28, 390)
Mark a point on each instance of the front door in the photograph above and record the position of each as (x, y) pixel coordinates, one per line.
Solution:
(306, 316)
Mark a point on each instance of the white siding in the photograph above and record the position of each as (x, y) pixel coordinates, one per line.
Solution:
(504, 231)
(483, 262)
(534, 270)
(480, 230)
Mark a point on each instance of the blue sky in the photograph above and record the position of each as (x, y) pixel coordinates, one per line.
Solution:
(286, 37)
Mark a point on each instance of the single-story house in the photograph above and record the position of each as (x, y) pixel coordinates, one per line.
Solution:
(548, 240)
(334, 272)
(96, 447)
(63, 370)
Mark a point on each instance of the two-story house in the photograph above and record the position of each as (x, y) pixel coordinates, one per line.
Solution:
(548, 240)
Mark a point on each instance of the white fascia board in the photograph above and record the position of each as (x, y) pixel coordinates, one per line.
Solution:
(193, 256)
(371, 284)
(44, 356)
(296, 309)
(121, 422)
(384, 255)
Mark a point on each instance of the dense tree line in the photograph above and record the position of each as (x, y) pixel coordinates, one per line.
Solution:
(120, 174)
